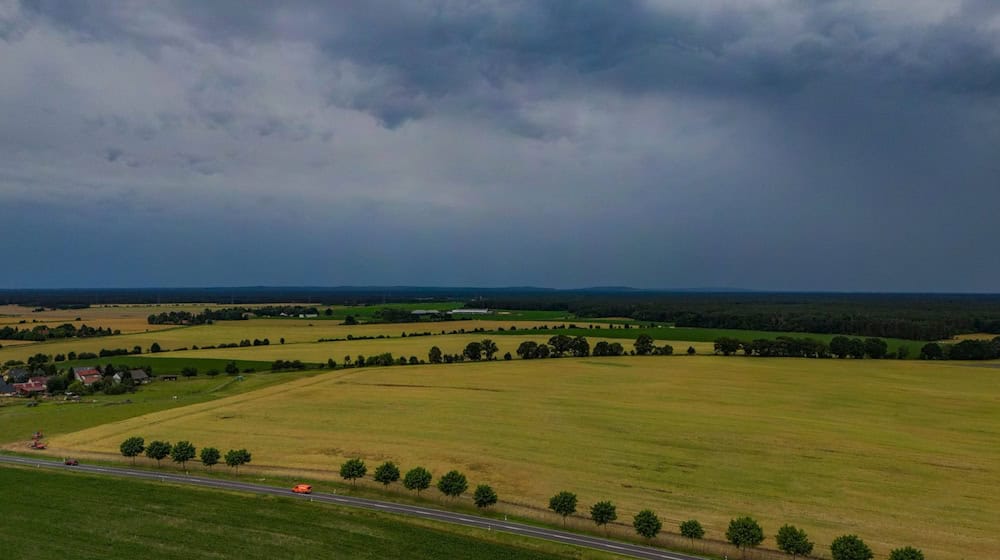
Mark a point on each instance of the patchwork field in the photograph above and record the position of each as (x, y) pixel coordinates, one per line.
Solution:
(226, 332)
(410, 346)
(898, 452)
(149, 520)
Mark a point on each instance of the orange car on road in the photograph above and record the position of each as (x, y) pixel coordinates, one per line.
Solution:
(302, 489)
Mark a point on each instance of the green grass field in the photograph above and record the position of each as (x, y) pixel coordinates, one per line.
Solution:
(900, 452)
(55, 512)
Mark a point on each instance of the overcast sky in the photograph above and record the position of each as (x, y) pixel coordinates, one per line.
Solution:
(769, 144)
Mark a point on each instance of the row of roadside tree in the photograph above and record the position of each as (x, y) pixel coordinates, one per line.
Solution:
(744, 533)
(182, 452)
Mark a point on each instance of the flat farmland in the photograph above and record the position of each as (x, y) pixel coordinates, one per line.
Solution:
(172, 337)
(319, 352)
(126, 318)
(5, 343)
(898, 452)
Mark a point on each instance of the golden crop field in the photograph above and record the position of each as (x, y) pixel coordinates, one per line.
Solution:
(410, 346)
(126, 318)
(4, 342)
(897, 452)
(296, 333)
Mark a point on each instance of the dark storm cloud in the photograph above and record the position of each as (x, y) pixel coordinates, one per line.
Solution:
(766, 143)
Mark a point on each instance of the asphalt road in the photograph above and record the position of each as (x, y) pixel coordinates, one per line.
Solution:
(624, 549)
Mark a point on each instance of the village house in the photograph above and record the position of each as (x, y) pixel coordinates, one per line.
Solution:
(6, 389)
(32, 386)
(86, 375)
(17, 375)
(469, 311)
(138, 376)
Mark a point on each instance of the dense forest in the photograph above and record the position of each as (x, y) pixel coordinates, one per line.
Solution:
(914, 317)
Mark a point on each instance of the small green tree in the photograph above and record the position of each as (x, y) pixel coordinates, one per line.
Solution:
(691, 351)
(906, 553)
(563, 503)
(647, 524)
(417, 478)
(876, 348)
(484, 496)
(132, 447)
(189, 372)
(603, 513)
(158, 450)
(210, 456)
(692, 529)
(727, 346)
(453, 484)
(232, 368)
(473, 351)
(850, 547)
(744, 533)
(644, 345)
(353, 469)
(489, 348)
(794, 541)
(236, 457)
(182, 452)
(435, 356)
(387, 473)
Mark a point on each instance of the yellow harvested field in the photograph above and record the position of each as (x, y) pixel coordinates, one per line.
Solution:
(410, 346)
(972, 336)
(5, 343)
(172, 337)
(127, 319)
(899, 452)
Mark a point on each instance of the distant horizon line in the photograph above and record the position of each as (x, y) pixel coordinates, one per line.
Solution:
(524, 288)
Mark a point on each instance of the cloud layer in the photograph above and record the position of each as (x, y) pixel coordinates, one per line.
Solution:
(842, 145)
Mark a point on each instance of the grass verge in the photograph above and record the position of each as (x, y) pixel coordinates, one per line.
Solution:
(145, 519)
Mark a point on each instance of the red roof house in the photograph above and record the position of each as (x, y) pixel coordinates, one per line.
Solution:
(86, 375)
(30, 387)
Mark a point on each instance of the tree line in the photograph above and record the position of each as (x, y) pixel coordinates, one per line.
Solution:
(844, 347)
(964, 350)
(203, 318)
(913, 317)
(182, 452)
(791, 347)
(41, 333)
(557, 346)
(208, 316)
